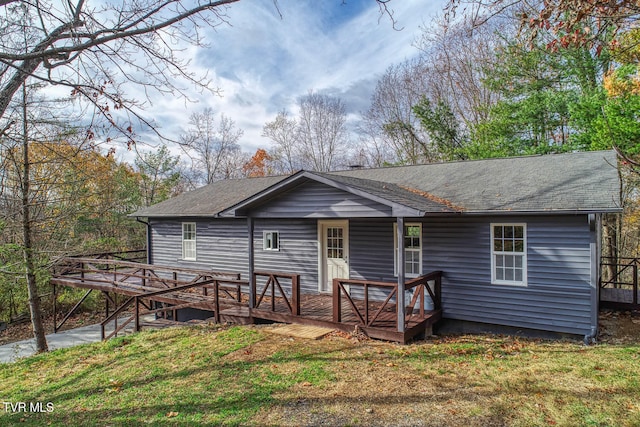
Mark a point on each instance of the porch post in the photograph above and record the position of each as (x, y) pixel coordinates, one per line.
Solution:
(252, 284)
(401, 269)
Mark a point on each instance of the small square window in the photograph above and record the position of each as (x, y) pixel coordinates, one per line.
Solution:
(271, 241)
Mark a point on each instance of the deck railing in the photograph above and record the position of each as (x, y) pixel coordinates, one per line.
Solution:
(221, 292)
(136, 255)
(621, 289)
(273, 289)
(114, 273)
(369, 311)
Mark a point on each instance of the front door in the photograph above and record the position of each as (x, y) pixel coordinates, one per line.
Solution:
(334, 253)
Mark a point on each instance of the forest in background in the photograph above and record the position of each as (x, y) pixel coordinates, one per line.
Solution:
(493, 79)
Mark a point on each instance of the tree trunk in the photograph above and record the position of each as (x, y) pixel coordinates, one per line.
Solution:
(32, 286)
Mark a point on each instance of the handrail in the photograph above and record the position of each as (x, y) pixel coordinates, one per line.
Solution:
(273, 283)
(617, 281)
(364, 317)
(84, 260)
(115, 255)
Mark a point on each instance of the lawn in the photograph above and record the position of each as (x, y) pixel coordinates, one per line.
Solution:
(247, 376)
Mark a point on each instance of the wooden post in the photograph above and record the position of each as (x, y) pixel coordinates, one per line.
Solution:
(216, 302)
(272, 280)
(295, 294)
(106, 305)
(115, 319)
(366, 304)
(55, 310)
(337, 299)
(252, 279)
(401, 271)
(635, 282)
(137, 314)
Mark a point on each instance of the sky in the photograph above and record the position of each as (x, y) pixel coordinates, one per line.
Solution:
(267, 57)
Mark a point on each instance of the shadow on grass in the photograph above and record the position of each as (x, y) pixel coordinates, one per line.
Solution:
(235, 390)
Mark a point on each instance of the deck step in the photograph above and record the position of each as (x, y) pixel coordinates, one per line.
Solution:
(299, 331)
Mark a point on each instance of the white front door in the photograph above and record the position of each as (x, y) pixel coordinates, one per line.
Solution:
(334, 252)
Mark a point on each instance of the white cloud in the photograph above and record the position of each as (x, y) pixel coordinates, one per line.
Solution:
(263, 63)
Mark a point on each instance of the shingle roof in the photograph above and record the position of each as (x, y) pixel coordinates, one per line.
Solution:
(571, 182)
(585, 181)
(393, 193)
(209, 200)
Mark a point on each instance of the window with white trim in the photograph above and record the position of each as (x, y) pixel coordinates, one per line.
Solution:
(189, 241)
(509, 254)
(412, 249)
(271, 241)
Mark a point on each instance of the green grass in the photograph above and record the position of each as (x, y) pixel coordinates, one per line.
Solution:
(244, 376)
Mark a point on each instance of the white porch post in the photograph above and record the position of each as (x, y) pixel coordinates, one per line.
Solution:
(401, 270)
(252, 284)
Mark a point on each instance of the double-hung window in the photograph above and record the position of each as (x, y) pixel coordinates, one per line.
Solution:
(189, 241)
(412, 249)
(509, 254)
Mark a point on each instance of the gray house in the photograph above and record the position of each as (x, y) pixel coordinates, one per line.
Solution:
(515, 242)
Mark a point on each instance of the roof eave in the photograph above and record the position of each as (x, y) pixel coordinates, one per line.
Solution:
(542, 212)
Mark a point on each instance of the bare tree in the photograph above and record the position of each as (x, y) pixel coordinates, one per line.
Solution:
(322, 132)
(458, 58)
(33, 172)
(282, 132)
(213, 146)
(569, 20)
(93, 50)
(317, 140)
(390, 120)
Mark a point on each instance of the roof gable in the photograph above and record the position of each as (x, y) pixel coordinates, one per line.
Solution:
(349, 196)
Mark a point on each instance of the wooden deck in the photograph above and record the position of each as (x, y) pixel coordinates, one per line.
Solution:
(317, 310)
(163, 290)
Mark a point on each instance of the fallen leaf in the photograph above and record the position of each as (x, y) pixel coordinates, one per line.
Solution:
(172, 414)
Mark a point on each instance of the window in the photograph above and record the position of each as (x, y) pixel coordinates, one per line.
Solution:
(335, 242)
(271, 241)
(189, 240)
(412, 249)
(509, 254)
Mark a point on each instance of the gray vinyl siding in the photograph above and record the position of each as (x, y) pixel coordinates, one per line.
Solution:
(558, 292)
(315, 200)
(298, 252)
(221, 245)
(371, 250)
(557, 296)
